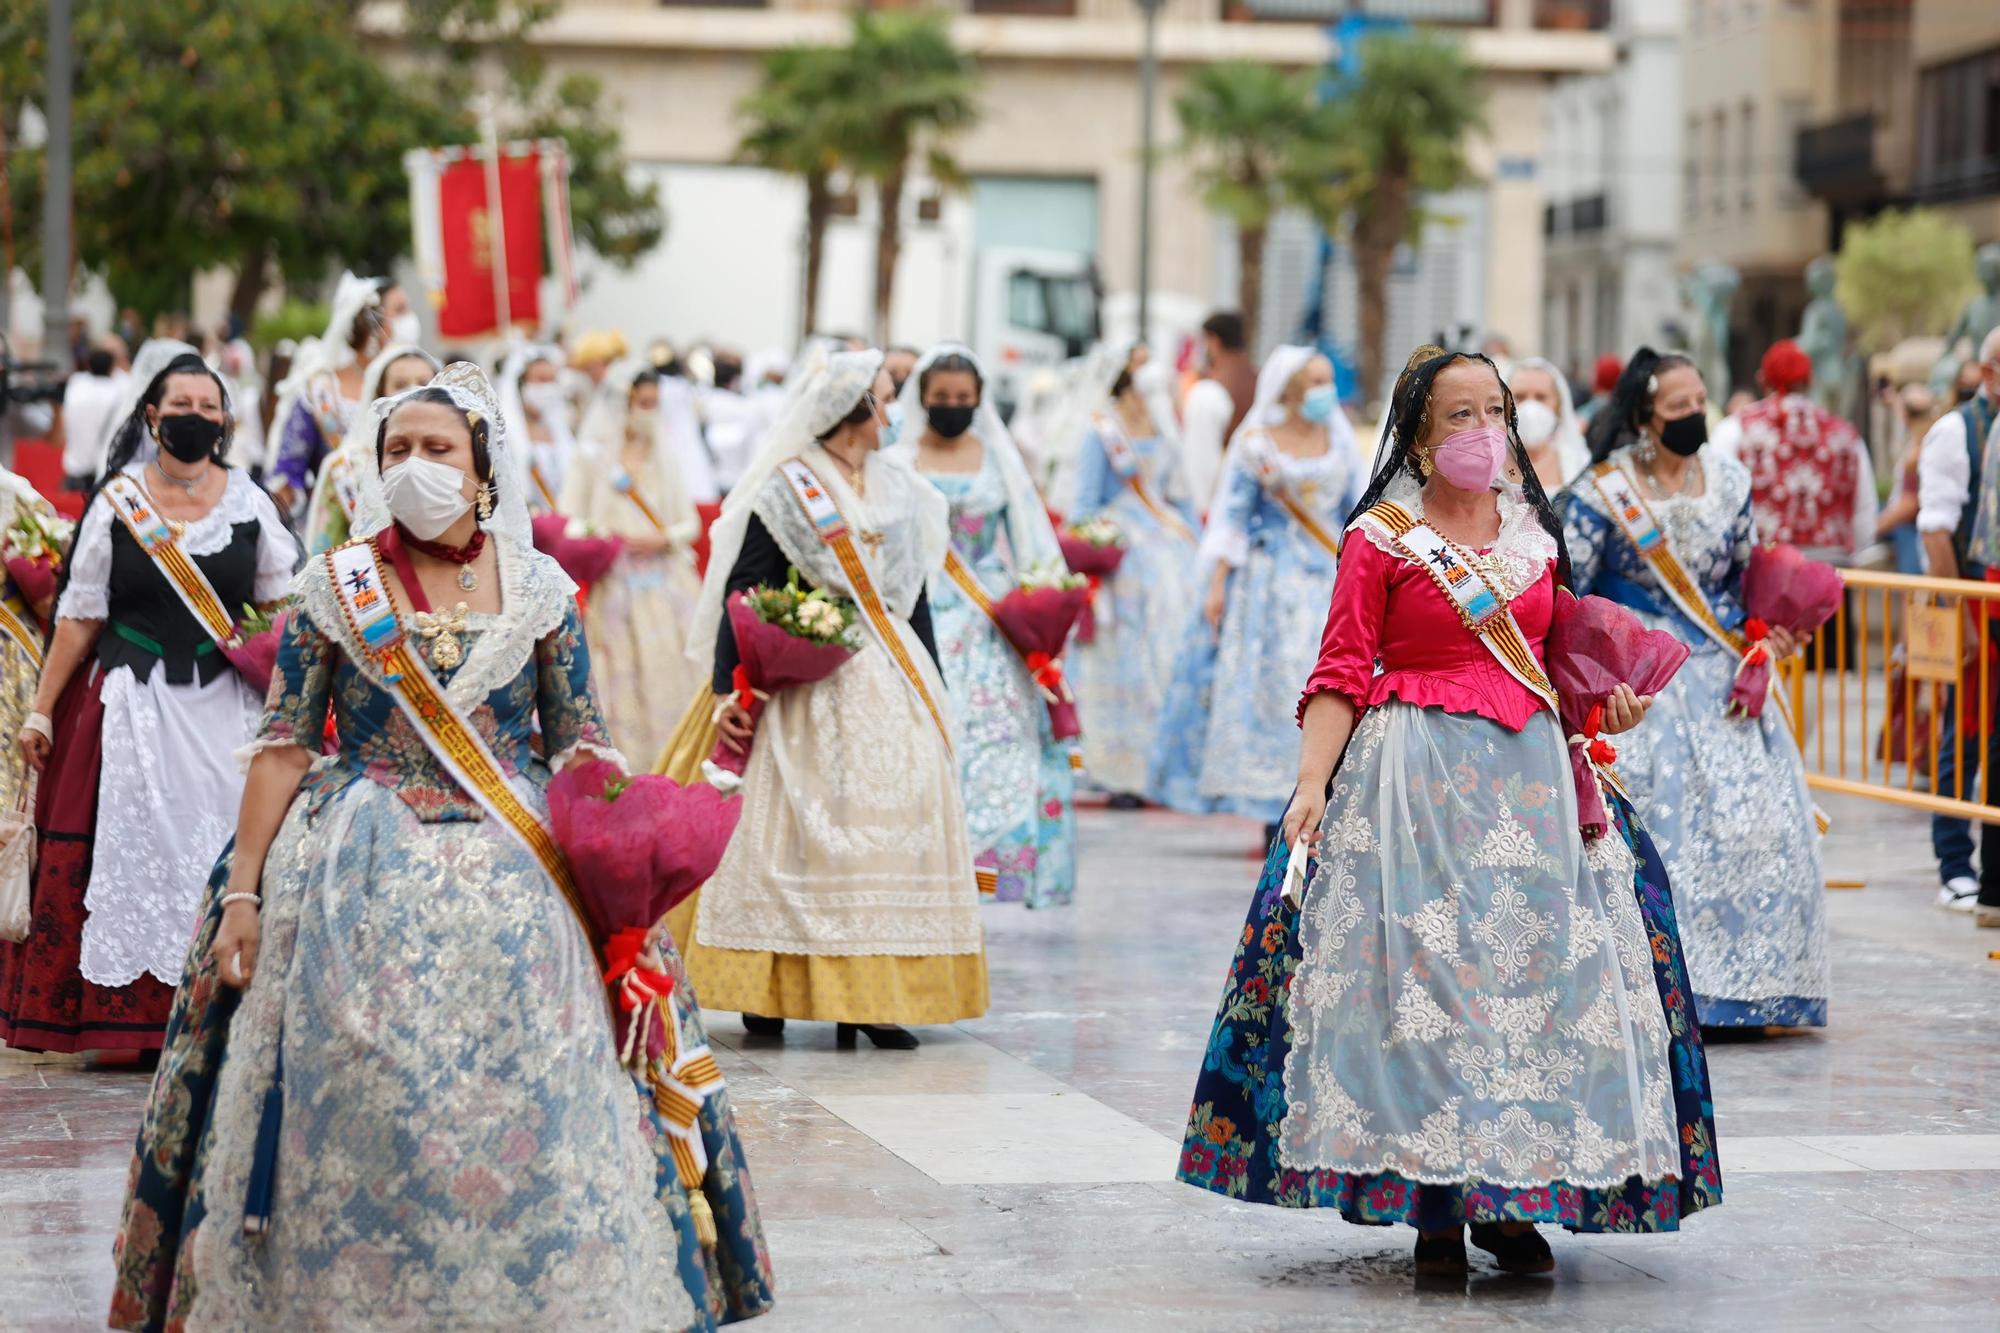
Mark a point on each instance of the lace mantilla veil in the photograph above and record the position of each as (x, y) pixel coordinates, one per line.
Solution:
(471, 391)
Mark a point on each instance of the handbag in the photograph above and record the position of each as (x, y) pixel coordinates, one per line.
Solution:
(17, 863)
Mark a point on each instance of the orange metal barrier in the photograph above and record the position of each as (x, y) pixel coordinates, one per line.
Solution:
(1867, 703)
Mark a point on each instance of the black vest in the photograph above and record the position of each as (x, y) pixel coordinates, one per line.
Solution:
(149, 623)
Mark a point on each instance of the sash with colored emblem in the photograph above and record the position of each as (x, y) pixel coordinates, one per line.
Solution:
(1125, 461)
(135, 509)
(833, 529)
(1480, 607)
(340, 476)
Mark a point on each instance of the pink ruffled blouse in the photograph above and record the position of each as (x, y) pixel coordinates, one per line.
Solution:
(1386, 608)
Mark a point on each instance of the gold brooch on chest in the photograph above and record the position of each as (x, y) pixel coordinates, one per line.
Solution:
(440, 631)
(872, 540)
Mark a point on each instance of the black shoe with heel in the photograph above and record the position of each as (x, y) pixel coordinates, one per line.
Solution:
(759, 1026)
(1526, 1252)
(1442, 1256)
(884, 1037)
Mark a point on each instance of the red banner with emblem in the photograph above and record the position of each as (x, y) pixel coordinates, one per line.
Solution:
(476, 229)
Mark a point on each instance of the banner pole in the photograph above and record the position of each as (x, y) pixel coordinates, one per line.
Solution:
(496, 220)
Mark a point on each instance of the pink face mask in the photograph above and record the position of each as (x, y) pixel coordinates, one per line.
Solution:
(1471, 459)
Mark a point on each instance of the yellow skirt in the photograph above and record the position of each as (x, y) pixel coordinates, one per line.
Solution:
(871, 988)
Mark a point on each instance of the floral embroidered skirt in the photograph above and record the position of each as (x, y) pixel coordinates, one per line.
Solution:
(1232, 1146)
(423, 1162)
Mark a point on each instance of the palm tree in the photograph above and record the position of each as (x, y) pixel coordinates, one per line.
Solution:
(910, 91)
(792, 129)
(1250, 132)
(1394, 132)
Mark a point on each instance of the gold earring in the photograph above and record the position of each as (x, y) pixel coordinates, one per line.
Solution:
(1424, 466)
(485, 501)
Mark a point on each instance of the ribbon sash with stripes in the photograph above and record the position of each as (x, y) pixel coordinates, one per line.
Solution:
(135, 509)
(364, 599)
(1630, 512)
(1125, 461)
(623, 484)
(1272, 478)
(828, 521)
(1479, 605)
(340, 476)
(542, 486)
(16, 628)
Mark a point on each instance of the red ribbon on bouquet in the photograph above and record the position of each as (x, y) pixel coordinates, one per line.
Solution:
(641, 991)
(1046, 671)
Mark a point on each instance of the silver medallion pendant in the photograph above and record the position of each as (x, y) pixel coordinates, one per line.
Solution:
(467, 580)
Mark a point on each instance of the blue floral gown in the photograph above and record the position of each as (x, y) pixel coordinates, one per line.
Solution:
(1725, 798)
(1120, 677)
(421, 1084)
(1018, 784)
(1230, 738)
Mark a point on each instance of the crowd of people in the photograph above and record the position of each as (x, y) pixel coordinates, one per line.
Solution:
(1449, 1007)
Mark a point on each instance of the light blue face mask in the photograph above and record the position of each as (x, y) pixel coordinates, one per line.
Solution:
(891, 428)
(1319, 404)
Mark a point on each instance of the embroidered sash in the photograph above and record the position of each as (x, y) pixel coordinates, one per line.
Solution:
(1272, 478)
(340, 476)
(322, 400)
(135, 508)
(364, 600)
(1480, 607)
(1635, 519)
(625, 486)
(831, 524)
(16, 628)
(1125, 461)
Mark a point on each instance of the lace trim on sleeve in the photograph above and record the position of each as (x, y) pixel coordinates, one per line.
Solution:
(610, 754)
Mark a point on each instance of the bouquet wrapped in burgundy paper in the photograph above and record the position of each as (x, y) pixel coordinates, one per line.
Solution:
(255, 652)
(585, 557)
(33, 550)
(1594, 646)
(636, 846)
(1037, 618)
(1781, 588)
(784, 636)
(1092, 547)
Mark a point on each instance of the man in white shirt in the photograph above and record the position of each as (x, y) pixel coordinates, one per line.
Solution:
(1949, 468)
(1216, 404)
(735, 423)
(89, 399)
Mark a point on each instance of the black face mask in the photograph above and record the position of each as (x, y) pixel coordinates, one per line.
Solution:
(1685, 435)
(189, 437)
(950, 422)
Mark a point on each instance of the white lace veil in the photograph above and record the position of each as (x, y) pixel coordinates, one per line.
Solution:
(1267, 410)
(328, 353)
(602, 436)
(1090, 394)
(371, 378)
(814, 406)
(470, 391)
(1030, 535)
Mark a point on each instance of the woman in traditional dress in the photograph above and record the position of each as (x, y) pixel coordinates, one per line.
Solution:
(393, 1094)
(1128, 471)
(322, 393)
(537, 409)
(624, 483)
(1018, 783)
(1465, 1023)
(847, 893)
(1228, 740)
(1725, 796)
(137, 720)
(1548, 422)
(335, 490)
(25, 607)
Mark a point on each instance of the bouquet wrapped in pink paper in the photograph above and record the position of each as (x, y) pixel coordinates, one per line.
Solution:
(1781, 589)
(255, 652)
(1037, 618)
(636, 846)
(1594, 646)
(784, 636)
(586, 558)
(1092, 547)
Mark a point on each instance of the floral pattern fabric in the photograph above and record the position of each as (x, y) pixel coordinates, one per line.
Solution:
(1236, 748)
(1240, 1096)
(1121, 676)
(435, 1011)
(1725, 798)
(1017, 779)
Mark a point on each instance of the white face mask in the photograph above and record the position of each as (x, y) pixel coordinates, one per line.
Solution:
(425, 497)
(642, 422)
(546, 398)
(406, 328)
(1536, 422)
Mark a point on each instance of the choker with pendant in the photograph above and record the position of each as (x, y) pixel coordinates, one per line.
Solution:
(462, 556)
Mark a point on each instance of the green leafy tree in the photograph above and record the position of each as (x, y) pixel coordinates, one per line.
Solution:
(1393, 133)
(910, 92)
(787, 129)
(1248, 130)
(267, 136)
(1903, 274)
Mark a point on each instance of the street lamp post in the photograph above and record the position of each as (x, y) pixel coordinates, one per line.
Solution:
(1149, 78)
(56, 190)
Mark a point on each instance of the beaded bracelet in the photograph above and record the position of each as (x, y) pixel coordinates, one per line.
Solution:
(229, 898)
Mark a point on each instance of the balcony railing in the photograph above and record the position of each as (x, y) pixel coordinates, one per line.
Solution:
(1838, 158)
(1585, 216)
